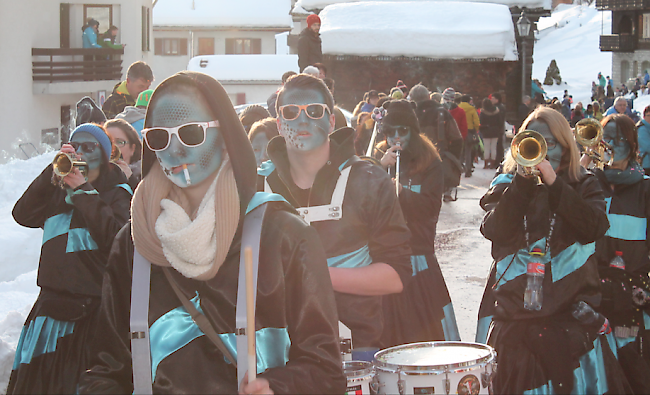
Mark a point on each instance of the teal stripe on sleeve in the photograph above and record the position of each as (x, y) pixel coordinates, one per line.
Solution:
(358, 258)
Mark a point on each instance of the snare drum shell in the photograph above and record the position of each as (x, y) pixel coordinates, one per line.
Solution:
(359, 375)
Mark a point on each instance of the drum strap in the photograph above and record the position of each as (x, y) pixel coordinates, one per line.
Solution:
(140, 350)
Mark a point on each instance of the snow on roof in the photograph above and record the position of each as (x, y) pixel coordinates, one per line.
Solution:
(430, 29)
(245, 67)
(226, 13)
(298, 10)
(320, 4)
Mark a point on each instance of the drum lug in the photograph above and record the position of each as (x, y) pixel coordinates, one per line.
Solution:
(446, 382)
(375, 385)
(401, 384)
(485, 379)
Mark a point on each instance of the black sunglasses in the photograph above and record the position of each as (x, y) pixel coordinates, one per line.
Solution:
(88, 147)
(389, 130)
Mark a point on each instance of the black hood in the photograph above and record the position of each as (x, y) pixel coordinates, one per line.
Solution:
(237, 144)
(88, 112)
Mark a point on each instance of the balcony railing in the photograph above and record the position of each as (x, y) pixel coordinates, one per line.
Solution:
(76, 64)
(621, 5)
(618, 43)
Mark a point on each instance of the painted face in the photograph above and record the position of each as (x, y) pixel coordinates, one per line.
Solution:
(620, 147)
(92, 156)
(397, 134)
(178, 107)
(304, 133)
(259, 147)
(555, 149)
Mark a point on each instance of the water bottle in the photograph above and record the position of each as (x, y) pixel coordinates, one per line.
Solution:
(533, 293)
(588, 316)
(618, 261)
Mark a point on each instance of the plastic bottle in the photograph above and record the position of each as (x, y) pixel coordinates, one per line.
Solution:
(618, 261)
(533, 292)
(588, 316)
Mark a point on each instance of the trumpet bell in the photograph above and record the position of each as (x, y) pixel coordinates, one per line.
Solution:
(63, 164)
(588, 132)
(528, 148)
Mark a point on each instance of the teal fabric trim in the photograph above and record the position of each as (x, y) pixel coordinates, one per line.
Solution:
(416, 188)
(79, 239)
(624, 341)
(263, 197)
(520, 264)
(418, 263)
(40, 337)
(56, 225)
(126, 187)
(502, 179)
(571, 259)
(482, 329)
(588, 378)
(343, 165)
(625, 227)
(68, 198)
(646, 320)
(358, 258)
(176, 329)
(266, 168)
(449, 325)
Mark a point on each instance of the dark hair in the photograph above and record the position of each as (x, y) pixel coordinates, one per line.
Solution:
(330, 84)
(465, 98)
(497, 96)
(422, 151)
(130, 133)
(487, 105)
(321, 67)
(138, 70)
(306, 81)
(627, 127)
(252, 114)
(268, 126)
(646, 110)
(286, 75)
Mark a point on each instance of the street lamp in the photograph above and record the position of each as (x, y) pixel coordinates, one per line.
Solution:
(523, 27)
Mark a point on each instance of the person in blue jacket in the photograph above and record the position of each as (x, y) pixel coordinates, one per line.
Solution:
(90, 31)
(644, 140)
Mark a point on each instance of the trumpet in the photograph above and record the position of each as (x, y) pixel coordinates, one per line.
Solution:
(528, 149)
(589, 134)
(63, 164)
(398, 186)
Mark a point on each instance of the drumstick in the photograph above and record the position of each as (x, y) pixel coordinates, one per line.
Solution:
(250, 314)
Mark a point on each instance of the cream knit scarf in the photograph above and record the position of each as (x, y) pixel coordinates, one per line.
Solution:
(165, 234)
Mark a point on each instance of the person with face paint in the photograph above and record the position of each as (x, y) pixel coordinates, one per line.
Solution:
(423, 311)
(350, 202)
(555, 223)
(625, 291)
(261, 133)
(198, 185)
(79, 223)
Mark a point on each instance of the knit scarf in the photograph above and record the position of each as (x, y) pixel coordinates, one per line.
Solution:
(165, 233)
(634, 173)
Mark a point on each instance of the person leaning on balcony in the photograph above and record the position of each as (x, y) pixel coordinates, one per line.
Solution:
(138, 79)
(107, 39)
(89, 36)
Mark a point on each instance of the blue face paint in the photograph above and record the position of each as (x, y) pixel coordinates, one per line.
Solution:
(555, 149)
(177, 107)
(259, 147)
(393, 136)
(620, 147)
(304, 133)
(94, 159)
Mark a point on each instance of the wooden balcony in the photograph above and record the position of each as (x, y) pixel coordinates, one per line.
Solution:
(76, 64)
(622, 5)
(618, 43)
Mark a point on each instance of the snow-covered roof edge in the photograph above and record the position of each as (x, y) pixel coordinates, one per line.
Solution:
(316, 5)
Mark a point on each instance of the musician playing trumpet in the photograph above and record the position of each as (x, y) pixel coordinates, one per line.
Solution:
(543, 240)
(423, 311)
(626, 288)
(79, 223)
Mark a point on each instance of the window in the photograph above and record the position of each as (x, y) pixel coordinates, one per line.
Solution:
(101, 13)
(170, 46)
(625, 71)
(236, 46)
(206, 46)
(646, 26)
(146, 28)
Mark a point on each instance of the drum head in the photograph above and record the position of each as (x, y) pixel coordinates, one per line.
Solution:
(433, 356)
(355, 369)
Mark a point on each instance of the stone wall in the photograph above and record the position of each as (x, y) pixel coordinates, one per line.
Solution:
(638, 61)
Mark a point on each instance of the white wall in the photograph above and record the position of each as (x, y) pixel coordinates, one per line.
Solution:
(257, 93)
(31, 24)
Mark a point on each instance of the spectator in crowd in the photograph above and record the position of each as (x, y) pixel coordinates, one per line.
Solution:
(322, 70)
(472, 138)
(589, 111)
(538, 93)
(252, 114)
(524, 109)
(371, 103)
(492, 130)
(107, 40)
(598, 113)
(396, 93)
(610, 82)
(644, 140)
(601, 80)
(135, 114)
(138, 78)
(312, 70)
(620, 106)
(448, 101)
(576, 115)
(364, 128)
(127, 141)
(89, 37)
(402, 86)
(309, 43)
(497, 100)
(261, 133)
(270, 102)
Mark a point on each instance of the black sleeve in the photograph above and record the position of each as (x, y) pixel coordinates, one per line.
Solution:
(303, 52)
(31, 210)
(428, 202)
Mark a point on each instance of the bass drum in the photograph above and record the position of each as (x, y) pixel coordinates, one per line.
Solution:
(436, 368)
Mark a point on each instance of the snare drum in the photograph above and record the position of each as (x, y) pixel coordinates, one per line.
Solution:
(360, 375)
(436, 368)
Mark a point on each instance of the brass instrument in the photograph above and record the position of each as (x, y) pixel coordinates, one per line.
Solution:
(63, 164)
(589, 134)
(528, 149)
(398, 186)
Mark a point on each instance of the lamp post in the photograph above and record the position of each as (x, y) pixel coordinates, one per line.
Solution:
(523, 27)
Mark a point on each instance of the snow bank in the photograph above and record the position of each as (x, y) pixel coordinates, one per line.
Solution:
(245, 67)
(320, 4)
(431, 29)
(571, 36)
(251, 13)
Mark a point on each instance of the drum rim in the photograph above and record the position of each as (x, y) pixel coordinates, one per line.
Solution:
(393, 367)
(367, 370)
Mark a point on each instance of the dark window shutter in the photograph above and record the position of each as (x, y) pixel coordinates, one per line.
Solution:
(65, 25)
(183, 46)
(256, 46)
(230, 46)
(158, 46)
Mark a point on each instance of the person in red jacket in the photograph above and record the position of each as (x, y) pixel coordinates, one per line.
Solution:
(456, 112)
